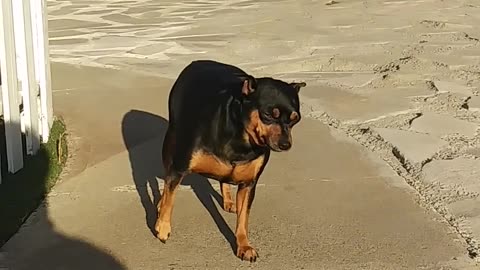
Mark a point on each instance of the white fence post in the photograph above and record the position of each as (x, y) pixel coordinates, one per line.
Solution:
(26, 73)
(11, 108)
(42, 64)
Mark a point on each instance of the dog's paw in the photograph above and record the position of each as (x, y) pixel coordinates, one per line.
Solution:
(163, 230)
(229, 206)
(247, 253)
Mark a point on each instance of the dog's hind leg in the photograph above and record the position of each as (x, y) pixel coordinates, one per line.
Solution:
(172, 180)
(165, 207)
(168, 147)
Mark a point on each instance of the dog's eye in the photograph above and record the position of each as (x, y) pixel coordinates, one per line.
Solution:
(294, 118)
(276, 113)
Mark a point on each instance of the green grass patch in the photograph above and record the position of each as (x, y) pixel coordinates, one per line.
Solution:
(22, 192)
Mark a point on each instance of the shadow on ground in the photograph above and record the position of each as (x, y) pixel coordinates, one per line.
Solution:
(140, 127)
(20, 194)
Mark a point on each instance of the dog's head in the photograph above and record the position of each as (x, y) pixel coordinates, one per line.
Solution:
(273, 109)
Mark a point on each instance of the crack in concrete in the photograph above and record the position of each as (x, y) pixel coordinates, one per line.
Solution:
(429, 195)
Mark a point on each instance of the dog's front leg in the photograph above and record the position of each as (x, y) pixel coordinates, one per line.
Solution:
(228, 204)
(245, 196)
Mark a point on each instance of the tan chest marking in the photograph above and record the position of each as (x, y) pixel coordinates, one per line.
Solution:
(208, 164)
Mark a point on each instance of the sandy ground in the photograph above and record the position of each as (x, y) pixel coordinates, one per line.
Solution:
(386, 162)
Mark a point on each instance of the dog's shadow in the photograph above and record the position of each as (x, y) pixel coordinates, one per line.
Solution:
(143, 135)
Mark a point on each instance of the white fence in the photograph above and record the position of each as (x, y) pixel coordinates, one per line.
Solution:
(26, 93)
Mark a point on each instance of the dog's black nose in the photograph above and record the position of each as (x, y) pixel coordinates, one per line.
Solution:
(284, 145)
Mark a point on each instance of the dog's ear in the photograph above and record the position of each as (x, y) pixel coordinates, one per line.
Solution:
(249, 85)
(298, 85)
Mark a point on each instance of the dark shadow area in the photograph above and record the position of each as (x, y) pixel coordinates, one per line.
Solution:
(139, 127)
(38, 245)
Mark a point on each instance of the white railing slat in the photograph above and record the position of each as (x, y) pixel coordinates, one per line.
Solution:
(42, 65)
(11, 109)
(26, 73)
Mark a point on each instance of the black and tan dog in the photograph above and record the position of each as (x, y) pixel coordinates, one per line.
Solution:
(223, 123)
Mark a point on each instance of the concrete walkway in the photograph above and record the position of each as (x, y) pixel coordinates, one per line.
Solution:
(389, 102)
(328, 204)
